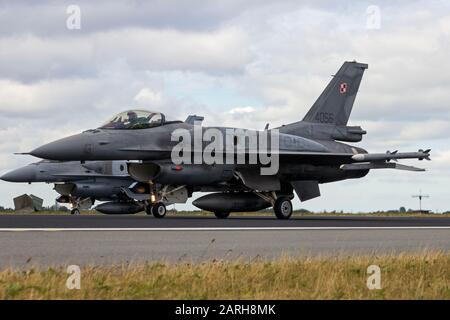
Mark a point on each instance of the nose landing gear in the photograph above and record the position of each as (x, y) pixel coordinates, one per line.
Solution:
(75, 205)
(158, 210)
(75, 211)
(155, 207)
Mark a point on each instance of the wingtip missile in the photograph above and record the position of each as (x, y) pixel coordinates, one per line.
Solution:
(395, 155)
(426, 154)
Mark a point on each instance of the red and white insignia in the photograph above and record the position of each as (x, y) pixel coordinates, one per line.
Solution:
(343, 87)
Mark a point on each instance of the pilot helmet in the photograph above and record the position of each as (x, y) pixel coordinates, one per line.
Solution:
(132, 115)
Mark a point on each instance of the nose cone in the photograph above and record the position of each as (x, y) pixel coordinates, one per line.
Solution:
(24, 174)
(76, 147)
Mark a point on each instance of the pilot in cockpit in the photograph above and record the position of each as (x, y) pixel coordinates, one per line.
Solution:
(135, 119)
(132, 116)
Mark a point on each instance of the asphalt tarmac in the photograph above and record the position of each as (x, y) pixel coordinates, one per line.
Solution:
(139, 221)
(50, 240)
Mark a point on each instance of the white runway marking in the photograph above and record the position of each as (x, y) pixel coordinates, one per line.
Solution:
(220, 229)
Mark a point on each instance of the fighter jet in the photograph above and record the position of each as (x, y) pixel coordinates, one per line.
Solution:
(80, 185)
(176, 155)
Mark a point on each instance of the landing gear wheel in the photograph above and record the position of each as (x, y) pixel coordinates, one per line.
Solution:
(283, 208)
(159, 210)
(148, 210)
(75, 212)
(221, 215)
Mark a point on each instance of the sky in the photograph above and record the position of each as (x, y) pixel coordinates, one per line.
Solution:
(237, 63)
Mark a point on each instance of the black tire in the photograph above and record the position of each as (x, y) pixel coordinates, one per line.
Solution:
(148, 210)
(159, 210)
(221, 215)
(75, 212)
(283, 208)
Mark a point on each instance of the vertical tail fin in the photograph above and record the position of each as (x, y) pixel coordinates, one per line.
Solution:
(335, 103)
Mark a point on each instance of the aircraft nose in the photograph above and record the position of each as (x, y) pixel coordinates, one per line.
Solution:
(25, 174)
(70, 148)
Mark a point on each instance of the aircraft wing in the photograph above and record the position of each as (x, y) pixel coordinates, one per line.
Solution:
(329, 158)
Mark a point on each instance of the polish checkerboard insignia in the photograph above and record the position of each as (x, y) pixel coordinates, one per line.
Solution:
(343, 87)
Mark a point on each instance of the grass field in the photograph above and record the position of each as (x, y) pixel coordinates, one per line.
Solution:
(423, 276)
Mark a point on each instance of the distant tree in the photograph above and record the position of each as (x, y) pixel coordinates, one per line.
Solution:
(402, 210)
(2, 208)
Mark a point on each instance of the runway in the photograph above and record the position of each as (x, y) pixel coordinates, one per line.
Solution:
(45, 240)
(130, 222)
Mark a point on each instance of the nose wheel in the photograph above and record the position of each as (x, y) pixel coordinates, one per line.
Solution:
(158, 210)
(283, 208)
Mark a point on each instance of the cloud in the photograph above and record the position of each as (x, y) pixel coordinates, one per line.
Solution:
(28, 58)
(35, 100)
(149, 97)
(238, 63)
(240, 110)
(49, 18)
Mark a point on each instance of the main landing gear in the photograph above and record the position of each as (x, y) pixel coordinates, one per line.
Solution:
(75, 211)
(283, 208)
(282, 205)
(158, 210)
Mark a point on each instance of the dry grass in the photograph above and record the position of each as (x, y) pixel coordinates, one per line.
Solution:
(422, 276)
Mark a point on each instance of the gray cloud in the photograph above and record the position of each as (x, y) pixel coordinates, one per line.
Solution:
(49, 18)
(28, 58)
(268, 61)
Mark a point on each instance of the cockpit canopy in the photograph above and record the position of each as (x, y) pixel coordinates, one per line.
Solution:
(135, 119)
